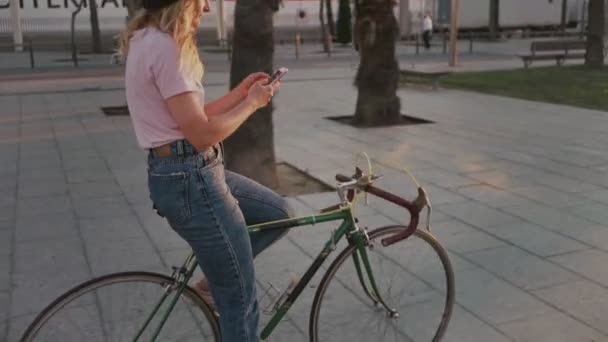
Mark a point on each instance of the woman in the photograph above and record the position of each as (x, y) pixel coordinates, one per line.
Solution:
(206, 205)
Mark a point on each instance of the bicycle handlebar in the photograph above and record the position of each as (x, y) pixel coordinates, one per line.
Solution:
(414, 207)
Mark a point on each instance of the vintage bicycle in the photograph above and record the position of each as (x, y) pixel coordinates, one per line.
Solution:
(370, 292)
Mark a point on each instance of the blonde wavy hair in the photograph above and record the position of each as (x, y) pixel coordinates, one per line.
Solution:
(179, 20)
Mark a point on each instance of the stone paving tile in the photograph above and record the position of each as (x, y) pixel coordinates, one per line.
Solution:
(446, 179)
(477, 214)
(100, 207)
(521, 268)
(42, 188)
(33, 291)
(465, 327)
(550, 218)
(597, 212)
(553, 327)
(494, 299)
(501, 179)
(4, 330)
(133, 254)
(4, 304)
(5, 272)
(549, 196)
(17, 325)
(535, 239)
(88, 190)
(490, 195)
(40, 227)
(51, 174)
(6, 243)
(590, 263)
(73, 161)
(597, 195)
(108, 229)
(44, 205)
(583, 300)
(596, 236)
(83, 175)
(566, 184)
(40, 255)
(460, 237)
(473, 152)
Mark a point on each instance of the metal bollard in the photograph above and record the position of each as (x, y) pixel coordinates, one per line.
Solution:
(471, 44)
(417, 43)
(445, 44)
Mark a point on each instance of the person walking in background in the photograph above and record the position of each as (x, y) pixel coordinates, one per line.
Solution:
(427, 30)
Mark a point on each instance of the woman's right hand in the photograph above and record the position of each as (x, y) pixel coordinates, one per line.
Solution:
(260, 94)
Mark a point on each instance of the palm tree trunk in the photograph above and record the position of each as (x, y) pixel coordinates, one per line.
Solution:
(494, 17)
(330, 19)
(323, 28)
(378, 75)
(250, 150)
(595, 35)
(96, 36)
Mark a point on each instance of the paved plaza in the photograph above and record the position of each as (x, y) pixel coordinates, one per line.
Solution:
(519, 192)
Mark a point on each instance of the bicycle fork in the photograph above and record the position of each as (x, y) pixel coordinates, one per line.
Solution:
(362, 264)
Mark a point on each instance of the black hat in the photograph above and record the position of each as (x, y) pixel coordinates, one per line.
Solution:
(157, 4)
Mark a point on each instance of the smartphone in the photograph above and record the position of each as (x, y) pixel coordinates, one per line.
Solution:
(278, 75)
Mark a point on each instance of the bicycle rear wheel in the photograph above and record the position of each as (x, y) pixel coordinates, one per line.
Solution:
(414, 277)
(115, 307)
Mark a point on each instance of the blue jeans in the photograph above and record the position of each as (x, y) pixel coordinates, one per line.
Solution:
(210, 208)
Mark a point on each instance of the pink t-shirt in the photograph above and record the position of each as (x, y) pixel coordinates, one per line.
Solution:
(152, 76)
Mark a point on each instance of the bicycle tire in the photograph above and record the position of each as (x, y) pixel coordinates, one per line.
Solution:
(377, 235)
(104, 282)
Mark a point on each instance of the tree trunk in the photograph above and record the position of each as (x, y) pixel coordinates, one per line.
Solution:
(132, 7)
(378, 75)
(330, 18)
(96, 36)
(595, 36)
(564, 17)
(250, 150)
(344, 34)
(494, 18)
(323, 28)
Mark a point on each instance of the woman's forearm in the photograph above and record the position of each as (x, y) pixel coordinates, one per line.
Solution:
(222, 126)
(225, 103)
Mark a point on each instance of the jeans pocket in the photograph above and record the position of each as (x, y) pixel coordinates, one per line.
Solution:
(170, 195)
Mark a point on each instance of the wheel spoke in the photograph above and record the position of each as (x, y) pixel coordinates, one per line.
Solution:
(401, 271)
(115, 308)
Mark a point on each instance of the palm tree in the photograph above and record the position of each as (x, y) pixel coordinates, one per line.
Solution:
(595, 36)
(250, 150)
(344, 34)
(96, 36)
(378, 75)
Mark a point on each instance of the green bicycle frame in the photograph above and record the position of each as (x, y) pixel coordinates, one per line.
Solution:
(348, 228)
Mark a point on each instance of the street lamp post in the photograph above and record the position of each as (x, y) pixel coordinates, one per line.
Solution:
(454, 32)
(221, 25)
(16, 23)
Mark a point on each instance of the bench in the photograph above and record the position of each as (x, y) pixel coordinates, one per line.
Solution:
(436, 76)
(560, 50)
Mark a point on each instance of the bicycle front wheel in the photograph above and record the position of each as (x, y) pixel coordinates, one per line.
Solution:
(116, 307)
(414, 278)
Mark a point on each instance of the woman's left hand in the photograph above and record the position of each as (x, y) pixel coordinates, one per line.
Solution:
(250, 80)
